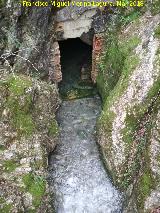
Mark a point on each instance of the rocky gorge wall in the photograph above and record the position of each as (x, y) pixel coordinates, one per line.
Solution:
(28, 133)
(28, 104)
(28, 40)
(129, 82)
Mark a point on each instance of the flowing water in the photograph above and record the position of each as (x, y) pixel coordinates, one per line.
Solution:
(77, 176)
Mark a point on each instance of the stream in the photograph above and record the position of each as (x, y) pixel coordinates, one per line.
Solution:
(77, 176)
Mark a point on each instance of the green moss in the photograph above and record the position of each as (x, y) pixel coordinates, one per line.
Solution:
(117, 62)
(128, 132)
(6, 208)
(110, 66)
(18, 84)
(2, 147)
(23, 123)
(130, 17)
(157, 32)
(19, 103)
(108, 116)
(145, 185)
(2, 3)
(150, 105)
(115, 79)
(36, 186)
(10, 165)
(130, 64)
(133, 121)
(53, 129)
(118, 58)
(31, 210)
(155, 7)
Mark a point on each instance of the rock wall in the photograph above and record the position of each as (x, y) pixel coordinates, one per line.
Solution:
(28, 41)
(83, 22)
(129, 83)
(28, 133)
(29, 61)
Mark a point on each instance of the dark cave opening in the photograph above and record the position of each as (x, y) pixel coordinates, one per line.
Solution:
(76, 64)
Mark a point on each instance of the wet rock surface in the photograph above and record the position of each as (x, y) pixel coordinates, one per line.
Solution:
(77, 176)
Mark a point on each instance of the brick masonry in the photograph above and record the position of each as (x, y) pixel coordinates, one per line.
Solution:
(98, 47)
(55, 73)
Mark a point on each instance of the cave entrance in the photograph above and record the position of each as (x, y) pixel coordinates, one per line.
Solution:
(76, 65)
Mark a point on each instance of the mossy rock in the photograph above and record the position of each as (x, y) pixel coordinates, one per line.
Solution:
(126, 121)
(118, 60)
(10, 165)
(19, 102)
(36, 186)
(155, 7)
(2, 3)
(157, 32)
(53, 129)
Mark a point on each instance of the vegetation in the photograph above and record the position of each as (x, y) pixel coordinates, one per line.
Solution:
(2, 147)
(53, 129)
(10, 165)
(116, 66)
(22, 121)
(5, 207)
(155, 7)
(146, 182)
(19, 103)
(2, 3)
(157, 32)
(117, 63)
(35, 185)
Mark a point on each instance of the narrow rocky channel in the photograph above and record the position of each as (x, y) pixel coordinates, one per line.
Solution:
(77, 176)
